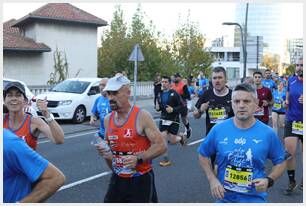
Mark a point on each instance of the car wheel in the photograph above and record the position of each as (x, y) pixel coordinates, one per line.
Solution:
(79, 115)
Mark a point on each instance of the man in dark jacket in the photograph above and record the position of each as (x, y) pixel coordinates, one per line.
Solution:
(170, 105)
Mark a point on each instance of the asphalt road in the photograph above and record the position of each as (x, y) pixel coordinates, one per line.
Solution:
(87, 175)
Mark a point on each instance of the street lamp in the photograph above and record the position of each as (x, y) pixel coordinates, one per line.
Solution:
(243, 43)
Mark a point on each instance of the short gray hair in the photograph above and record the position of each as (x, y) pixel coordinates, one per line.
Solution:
(247, 88)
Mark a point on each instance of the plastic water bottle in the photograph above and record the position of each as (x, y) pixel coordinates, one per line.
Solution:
(98, 141)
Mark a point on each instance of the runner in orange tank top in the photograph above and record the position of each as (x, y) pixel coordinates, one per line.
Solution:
(24, 125)
(134, 141)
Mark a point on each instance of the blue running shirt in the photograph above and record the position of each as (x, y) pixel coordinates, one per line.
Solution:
(279, 98)
(22, 166)
(101, 108)
(295, 109)
(241, 155)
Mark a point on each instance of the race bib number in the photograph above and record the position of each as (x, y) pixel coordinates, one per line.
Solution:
(166, 122)
(277, 106)
(238, 179)
(217, 115)
(297, 128)
(119, 167)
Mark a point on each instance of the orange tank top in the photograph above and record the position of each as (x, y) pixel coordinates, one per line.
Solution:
(178, 88)
(24, 131)
(124, 140)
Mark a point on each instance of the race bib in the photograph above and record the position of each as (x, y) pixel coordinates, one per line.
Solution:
(238, 179)
(119, 167)
(277, 106)
(217, 115)
(166, 122)
(297, 128)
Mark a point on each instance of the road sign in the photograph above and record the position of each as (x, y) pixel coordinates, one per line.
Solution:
(136, 54)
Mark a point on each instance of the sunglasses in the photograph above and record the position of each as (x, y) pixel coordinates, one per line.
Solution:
(113, 93)
(299, 65)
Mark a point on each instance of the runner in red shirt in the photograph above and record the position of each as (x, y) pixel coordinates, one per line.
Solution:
(265, 99)
(24, 125)
(134, 140)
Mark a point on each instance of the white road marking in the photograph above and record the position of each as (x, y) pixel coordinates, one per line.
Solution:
(69, 136)
(195, 142)
(84, 180)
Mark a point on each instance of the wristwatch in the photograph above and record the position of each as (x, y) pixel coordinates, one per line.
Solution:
(139, 159)
(50, 118)
(270, 181)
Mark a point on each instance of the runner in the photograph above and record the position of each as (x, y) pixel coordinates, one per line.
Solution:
(101, 108)
(27, 177)
(241, 153)
(265, 99)
(25, 125)
(182, 90)
(268, 81)
(170, 105)
(294, 124)
(216, 102)
(134, 140)
(278, 108)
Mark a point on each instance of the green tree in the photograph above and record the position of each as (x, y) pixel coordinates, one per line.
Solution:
(188, 49)
(290, 70)
(147, 38)
(113, 53)
(271, 61)
(60, 67)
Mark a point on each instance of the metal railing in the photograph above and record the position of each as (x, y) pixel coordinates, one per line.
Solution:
(144, 89)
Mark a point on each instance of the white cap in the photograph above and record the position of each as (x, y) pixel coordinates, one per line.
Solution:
(116, 82)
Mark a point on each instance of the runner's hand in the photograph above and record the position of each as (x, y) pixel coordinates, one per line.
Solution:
(204, 106)
(216, 189)
(104, 153)
(130, 161)
(169, 109)
(261, 184)
(42, 106)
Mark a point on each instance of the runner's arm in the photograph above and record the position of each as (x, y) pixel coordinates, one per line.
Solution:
(51, 130)
(107, 158)
(216, 187)
(49, 182)
(151, 131)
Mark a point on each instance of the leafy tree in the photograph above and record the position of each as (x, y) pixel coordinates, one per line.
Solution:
(290, 69)
(187, 49)
(113, 53)
(271, 61)
(60, 67)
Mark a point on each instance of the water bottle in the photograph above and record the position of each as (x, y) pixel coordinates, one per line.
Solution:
(98, 141)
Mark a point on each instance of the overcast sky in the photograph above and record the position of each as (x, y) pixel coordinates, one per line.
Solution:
(165, 16)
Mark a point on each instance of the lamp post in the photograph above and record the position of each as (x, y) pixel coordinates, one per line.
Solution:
(243, 43)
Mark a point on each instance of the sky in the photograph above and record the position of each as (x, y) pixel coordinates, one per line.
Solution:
(165, 16)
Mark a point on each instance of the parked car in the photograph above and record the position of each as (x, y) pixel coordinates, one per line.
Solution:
(31, 97)
(72, 99)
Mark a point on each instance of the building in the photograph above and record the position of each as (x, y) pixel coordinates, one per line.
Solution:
(295, 49)
(263, 20)
(231, 58)
(29, 43)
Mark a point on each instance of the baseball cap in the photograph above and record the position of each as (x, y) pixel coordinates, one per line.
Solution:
(16, 85)
(177, 75)
(116, 82)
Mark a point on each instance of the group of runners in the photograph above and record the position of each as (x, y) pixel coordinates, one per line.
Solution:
(237, 143)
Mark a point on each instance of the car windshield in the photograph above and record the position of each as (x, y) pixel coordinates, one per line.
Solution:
(71, 86)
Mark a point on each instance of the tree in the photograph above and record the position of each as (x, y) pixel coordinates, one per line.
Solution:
(271, 61)
(60, 67)
(113, 53)
(290, 70)
(188, 49)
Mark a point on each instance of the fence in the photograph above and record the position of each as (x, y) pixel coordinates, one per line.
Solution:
(144, 89)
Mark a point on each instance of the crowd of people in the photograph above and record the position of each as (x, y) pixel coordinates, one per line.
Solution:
(236, 145)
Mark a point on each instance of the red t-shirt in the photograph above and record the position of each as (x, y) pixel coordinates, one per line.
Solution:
(264, 94)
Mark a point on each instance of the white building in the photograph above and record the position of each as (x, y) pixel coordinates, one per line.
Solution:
(231, 58)
(29, 43)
